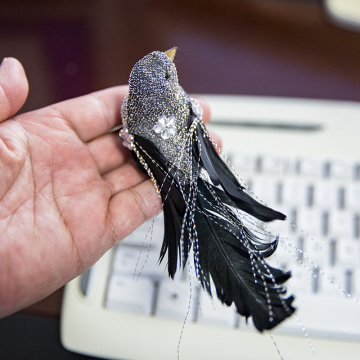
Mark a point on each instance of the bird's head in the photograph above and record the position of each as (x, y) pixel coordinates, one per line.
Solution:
(154, 75)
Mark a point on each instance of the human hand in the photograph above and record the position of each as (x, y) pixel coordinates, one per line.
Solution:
(69, 190)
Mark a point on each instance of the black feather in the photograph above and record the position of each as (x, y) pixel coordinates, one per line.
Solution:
(229, 183)
(227, 252)
(233, 265)
(173, 204)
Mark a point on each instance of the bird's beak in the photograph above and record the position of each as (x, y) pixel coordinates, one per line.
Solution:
(171, 53)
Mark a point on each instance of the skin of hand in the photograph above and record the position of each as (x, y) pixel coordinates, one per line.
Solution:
(69, 190)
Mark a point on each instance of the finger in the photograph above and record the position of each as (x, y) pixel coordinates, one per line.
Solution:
(108, 152)
(206, 109)
(14, 87)
(124, 177)
(94, 114)
(141, 203)
(216, 140)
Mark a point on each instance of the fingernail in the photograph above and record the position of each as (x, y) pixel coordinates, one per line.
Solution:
(3, 60)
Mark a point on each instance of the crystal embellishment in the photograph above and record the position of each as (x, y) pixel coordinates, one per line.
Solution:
(165, 127)
(196, 108)
(127, 139)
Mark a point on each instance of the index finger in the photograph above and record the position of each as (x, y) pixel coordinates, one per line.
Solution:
(94, 114)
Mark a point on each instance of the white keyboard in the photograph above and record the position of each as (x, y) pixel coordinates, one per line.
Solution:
(298, 156)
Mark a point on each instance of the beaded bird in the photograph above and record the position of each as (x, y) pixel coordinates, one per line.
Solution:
(206, 210)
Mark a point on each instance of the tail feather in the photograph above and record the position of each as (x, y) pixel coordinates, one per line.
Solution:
(239, 270)
(200, 215)
(219, 173)
(173, 205)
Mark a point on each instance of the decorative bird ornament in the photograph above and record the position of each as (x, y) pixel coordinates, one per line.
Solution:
(206, 210)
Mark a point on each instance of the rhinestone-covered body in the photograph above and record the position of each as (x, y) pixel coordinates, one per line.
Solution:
(158, 109)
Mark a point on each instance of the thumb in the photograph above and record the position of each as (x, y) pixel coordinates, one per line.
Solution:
(14, 87)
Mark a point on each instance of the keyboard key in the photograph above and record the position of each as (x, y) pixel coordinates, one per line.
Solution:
(276, 165)
(135, 261)
(347, 252)
(295, 192)
(341, 169)
(341, 224)
(311, 221)
(311, 167)
(266, 190)
(213, 312)
(326, 195)
(127, 294)
(352, 196)
(245, 324)
(151, 232)
(175, 300)
(317, 252)
(280, 228)
(300, 281)
(243, 162)
(331, 281)
(125, 259)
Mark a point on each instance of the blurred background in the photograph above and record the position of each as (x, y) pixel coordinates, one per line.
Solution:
(287, 48)
(254, 47)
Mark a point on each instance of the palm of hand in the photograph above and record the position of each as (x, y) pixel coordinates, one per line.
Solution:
(68, 192)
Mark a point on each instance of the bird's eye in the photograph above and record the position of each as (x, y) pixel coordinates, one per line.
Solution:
(167, 76)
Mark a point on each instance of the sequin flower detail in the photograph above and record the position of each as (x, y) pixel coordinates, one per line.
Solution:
(127, 139)
(165, 127)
